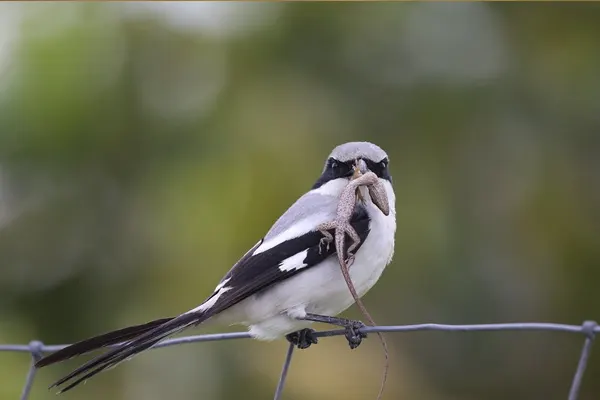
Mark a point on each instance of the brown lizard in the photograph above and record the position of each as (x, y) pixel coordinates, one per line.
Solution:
(345, 209)
(342, 226)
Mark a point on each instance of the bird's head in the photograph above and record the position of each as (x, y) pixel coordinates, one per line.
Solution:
(348, 158)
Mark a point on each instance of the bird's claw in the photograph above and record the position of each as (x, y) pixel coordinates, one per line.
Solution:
(353, 334)
(303, 338)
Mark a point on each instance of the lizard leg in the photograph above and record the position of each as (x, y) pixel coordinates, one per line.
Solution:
(355, 242)
(302, 338)
(327, 237)
(352, 328)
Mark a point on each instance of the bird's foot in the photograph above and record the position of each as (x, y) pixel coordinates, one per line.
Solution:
(303, 338)
(353, 333)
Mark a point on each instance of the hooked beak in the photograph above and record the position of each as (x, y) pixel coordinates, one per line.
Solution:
(361, 165)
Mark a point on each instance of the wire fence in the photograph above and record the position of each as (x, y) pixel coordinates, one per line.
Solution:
(588, 329)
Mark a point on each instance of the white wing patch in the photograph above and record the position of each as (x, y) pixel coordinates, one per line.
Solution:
(211, 302)
(294, 262)
(222, 284)
(296, 230)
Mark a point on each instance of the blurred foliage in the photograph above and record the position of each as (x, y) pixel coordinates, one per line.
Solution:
(144, 147)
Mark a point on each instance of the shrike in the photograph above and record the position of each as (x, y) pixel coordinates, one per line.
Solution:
(286, 281)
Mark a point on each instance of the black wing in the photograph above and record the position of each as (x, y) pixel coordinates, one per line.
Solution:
(253, 273)
(249, 276)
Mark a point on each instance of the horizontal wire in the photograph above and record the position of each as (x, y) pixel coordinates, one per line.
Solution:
(517, 326)
(588, 328)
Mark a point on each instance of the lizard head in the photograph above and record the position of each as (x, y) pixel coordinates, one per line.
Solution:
(350, 160)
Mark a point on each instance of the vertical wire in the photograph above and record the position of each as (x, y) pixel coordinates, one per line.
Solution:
(284, 372)
(589, 328)
(36, 353)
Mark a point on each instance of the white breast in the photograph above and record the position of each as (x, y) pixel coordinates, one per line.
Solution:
(378, 249)
(371, 259)
(322, 288)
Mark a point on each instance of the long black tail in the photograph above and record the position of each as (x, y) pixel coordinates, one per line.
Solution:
(98, 342)
(136, 339)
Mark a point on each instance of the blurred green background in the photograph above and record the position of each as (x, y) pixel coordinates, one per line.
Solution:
(145, 147)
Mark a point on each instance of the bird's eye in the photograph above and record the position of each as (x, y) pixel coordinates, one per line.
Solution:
(384, 164)
(333, 164)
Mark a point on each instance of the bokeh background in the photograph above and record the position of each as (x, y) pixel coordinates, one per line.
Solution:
(145, 147)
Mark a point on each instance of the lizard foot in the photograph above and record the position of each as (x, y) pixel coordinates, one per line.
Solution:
(325, 241)
(303, 338)
(350, 260)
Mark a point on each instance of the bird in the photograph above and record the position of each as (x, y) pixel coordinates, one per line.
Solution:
(285, 282)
